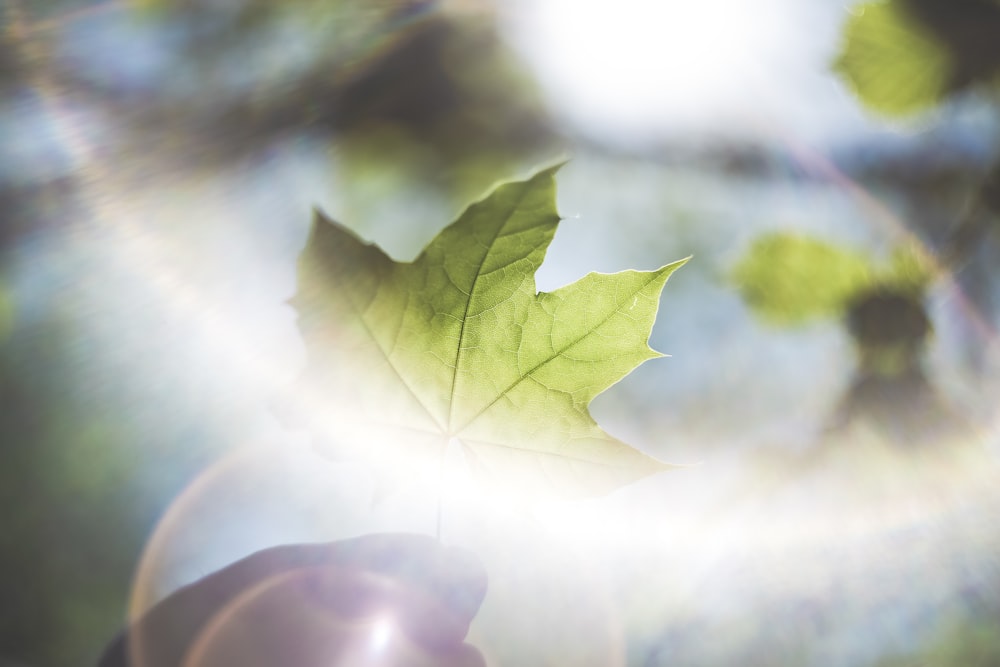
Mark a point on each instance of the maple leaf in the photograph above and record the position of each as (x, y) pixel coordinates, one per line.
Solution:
(459, 347)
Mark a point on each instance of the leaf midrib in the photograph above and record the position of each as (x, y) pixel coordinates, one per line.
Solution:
(468, 304)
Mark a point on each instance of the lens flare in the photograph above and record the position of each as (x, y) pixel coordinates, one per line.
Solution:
(381, 634)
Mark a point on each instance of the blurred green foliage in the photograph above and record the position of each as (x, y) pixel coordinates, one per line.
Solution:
(971, 642)
(426, 93)
(894, 64)
(68, 540)
(788, 279)
(791, 279)
(902, 57)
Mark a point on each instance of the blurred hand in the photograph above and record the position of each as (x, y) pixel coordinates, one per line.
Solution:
(393, 599)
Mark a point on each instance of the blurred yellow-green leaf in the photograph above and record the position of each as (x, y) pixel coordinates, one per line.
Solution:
(7, 312)
(905, 56)
(789, 279)
(892, 62)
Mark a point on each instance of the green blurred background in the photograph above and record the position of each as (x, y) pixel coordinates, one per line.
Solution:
(834, 369)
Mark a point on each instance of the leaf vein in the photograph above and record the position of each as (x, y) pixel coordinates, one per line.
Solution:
(654, 275)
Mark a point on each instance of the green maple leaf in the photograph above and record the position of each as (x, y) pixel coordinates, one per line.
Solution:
(457, 346)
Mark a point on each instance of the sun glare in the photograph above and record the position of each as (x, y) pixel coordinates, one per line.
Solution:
(381, 633)
(632, 66)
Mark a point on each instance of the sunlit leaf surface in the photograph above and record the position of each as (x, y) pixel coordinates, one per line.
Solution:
(459, 347)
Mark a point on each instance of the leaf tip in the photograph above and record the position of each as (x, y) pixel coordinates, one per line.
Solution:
(665, 271)
(670, 467)
(556, 164)
(319, 215)
(659, 466)
(546, 172)
(320, 222)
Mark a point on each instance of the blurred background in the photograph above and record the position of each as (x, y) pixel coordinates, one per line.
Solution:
(834, 368)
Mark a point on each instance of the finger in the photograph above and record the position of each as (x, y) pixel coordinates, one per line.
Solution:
(454, 575)
(460, 655)
(436, 594)
(443, 586)
(432, 611)
(296, 620)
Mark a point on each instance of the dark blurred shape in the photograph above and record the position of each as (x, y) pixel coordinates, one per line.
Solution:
(385, 599)
(882, 319)
(890, 394)
(969, 30)
(975, 224)
(405, 83)
(449, 87)
(789, 280)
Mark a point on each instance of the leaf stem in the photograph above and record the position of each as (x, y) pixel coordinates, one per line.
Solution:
(437, 529)
(442, 462)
